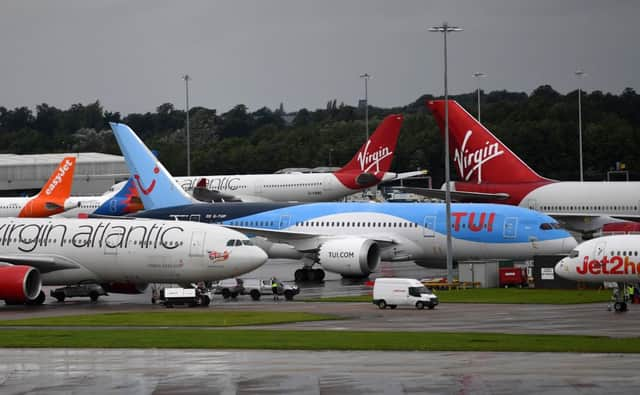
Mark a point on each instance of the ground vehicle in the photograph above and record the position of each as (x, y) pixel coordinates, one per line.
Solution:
(513, 276)
(93, 291)
(256, 288)
(402, 291)
(185, 296)
(229, 287)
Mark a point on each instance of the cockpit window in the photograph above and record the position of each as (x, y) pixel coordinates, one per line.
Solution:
(230, 243)
(247, 242)
(573, 254)
(549, 225)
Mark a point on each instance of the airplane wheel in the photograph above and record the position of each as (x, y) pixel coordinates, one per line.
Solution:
(300, 275)
(93, 295)
(319, 274)
(382, 305)
(37, 301)
(620, 307)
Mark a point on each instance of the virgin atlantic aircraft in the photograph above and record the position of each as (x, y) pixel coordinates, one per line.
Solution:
(491, 172)
(368, 167)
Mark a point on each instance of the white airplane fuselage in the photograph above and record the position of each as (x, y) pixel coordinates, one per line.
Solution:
(70, 251)
(610, 258)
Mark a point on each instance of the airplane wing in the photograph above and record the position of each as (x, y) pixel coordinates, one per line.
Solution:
(303, 242)
(455, 195)
(43, 263)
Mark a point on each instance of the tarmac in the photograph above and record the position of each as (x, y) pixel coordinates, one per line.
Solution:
(105, 371)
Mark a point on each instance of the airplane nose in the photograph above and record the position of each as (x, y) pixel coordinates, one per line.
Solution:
(569, 243)
(257, 257)
(560, 266)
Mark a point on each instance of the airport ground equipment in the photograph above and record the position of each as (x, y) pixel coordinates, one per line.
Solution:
(93, 291)
(191, 297)
(513, 277)
(393, 292)
(256, 288)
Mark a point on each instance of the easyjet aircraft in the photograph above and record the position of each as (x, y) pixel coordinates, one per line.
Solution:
(52, 198)
(368, 167)
(490, 171)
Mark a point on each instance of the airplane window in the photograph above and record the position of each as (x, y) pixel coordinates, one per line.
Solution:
(573, 254)
(238, 242)
(618, 252)
(635, 253)
(545, 226)
(230, 243)
(247, 242)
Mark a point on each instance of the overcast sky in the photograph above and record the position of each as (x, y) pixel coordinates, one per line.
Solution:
(131, 55)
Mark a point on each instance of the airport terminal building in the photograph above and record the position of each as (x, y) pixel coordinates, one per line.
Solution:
(22, 175)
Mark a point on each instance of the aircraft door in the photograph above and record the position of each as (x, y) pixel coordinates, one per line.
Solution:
(196, 247)
(599, 252)
(429, 229)
(284, 221)
(532, 204)
(510, 230)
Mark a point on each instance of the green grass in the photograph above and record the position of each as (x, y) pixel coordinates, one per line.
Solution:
(313, 340)
(504, 295)
(173, 318)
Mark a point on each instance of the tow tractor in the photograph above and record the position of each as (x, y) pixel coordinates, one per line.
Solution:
(192, 297)
(93, 291)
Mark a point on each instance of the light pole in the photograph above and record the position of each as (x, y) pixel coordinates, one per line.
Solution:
(186, 79)
(478, 75)
(366, 77)
(444, 29)
(579, 74)
(330, 152)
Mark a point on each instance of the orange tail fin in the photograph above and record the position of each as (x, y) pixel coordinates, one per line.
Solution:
(478, 155)
(50, 200)
(374, 158)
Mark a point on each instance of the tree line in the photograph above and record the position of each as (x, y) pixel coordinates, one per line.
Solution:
(541, 127)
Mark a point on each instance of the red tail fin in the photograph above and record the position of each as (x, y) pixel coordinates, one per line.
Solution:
(477, 154)
(50, 200)
(374, 158)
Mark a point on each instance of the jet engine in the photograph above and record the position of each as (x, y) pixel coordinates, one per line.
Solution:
(349, 257)
(19, 284)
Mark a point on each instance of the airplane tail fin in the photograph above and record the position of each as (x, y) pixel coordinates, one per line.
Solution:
(51, 198)
(478, 155)
(125, 201)
(156, 187)
(374, 158)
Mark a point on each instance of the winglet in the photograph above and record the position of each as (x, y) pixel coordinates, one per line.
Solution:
(50, 200)
(478, 155)
(156, 187)
(374, 158)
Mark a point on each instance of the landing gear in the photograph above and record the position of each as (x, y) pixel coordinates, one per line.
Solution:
(620, 307)
(308, 274)
(38, 300)
(619, 299)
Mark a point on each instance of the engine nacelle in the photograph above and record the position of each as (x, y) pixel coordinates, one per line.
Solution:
(350, 257)
(19, 284)
(124, 288)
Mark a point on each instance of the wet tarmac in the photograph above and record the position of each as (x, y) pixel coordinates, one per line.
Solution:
(53, 371)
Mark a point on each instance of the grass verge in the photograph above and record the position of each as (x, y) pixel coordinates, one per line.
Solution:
(313, 340)
(503, 295)
(173, 318)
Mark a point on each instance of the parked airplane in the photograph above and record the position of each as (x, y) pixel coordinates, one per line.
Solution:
(490, 172)
(369, 166)
(116, 253)
(350, 238)
(605, 259)
(119, 200)
(50, 200)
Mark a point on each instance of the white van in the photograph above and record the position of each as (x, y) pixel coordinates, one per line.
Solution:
(402, 291)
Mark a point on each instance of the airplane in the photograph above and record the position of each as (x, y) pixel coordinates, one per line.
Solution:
(120, 199)
(52, 198)
(120, 254)
(349, 238)
(368, 167)
(491, 172)
(605, 259)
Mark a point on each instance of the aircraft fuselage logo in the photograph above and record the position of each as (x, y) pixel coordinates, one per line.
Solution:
(62, 170)
(369, 160)
(470, 162)
(149, 189)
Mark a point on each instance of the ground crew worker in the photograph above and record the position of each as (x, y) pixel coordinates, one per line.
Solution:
(274, 287)
(630, 292)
